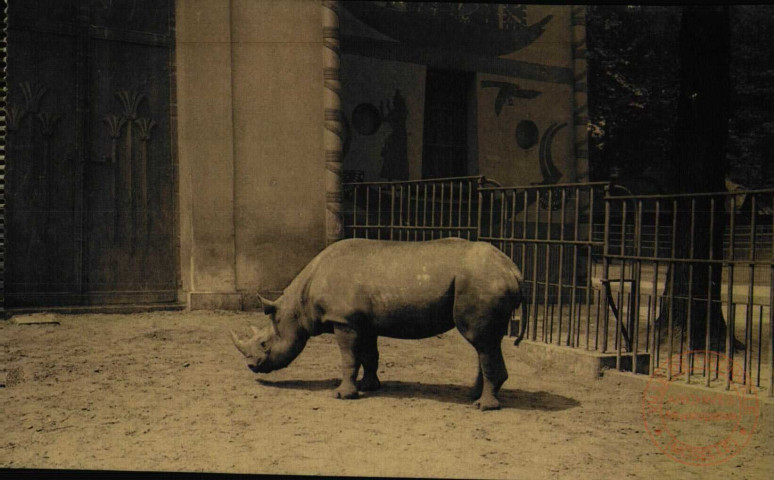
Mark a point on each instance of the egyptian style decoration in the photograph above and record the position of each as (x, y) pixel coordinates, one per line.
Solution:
(580, 93)
(548, 170)
(507, 92)
(130, 167)
(480, 29)
(40, 128)
(551, 175)
(333, 135)
(395, 150)
(366, 119)
(527, 134)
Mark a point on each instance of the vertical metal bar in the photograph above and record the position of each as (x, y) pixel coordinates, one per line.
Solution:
(490, 231)
(392, 211)
(535, 264)
(432, 216)
(368, 212)
(480, 206)
(524, 244)
(760, 344)
(416, 214)
(689, 313)
(574, 285)
(440, 214)
(605, 269)
(589, 271)
(424, 213)
(470, 208)
(637, 280)
(502, 221)
(561, 274)
(512, 237)
(459, 212)
(548, 269)
(671, 290)
(730, 321)
(620, 318)
(379, 213)
(451, 206)
(404, 221)
(655, 347)
(354, 214)
(748, 338)
(707, 338)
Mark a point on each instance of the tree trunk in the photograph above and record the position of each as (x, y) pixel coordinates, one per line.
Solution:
(699, 165)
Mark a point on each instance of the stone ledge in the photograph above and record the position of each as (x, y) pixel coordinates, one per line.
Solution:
(573, 361)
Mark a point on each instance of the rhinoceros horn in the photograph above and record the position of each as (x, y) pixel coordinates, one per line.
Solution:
(244, 345)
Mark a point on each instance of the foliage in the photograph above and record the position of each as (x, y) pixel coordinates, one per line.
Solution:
(634, 85)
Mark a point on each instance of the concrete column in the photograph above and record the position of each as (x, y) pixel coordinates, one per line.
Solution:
(206, 153)
(334, 129)
(580, 92)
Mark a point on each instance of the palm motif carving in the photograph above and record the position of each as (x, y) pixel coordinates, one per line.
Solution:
(130, 179)
(33, 93)
(14, 116)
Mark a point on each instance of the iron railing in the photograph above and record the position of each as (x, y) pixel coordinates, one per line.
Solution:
(705, 284)
(609, 271)
(412, 210)
(547, 231)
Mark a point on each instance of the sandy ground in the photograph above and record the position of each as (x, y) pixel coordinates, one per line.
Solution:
(168, 391)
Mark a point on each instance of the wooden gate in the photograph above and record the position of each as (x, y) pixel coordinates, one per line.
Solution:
(91, 170)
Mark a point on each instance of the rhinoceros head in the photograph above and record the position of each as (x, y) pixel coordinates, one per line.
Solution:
(268, 349)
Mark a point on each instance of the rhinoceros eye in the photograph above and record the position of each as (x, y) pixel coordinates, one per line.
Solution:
(264, 345)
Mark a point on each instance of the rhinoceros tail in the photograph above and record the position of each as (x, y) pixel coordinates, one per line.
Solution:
(524, 316)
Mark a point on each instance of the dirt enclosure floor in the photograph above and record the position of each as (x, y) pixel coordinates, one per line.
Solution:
(168, 391)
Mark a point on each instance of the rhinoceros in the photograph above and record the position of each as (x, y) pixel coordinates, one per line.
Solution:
(360, 289)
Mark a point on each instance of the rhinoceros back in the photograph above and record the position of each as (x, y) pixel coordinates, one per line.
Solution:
(406, 289)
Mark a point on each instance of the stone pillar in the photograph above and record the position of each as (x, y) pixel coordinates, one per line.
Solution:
(205, 142)
(580, 92)
(334, 129)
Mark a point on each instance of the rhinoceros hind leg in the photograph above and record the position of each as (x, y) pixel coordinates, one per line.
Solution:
(369, 356)
(369, 383)
(347, 339)
(494, 375)
(478, 386)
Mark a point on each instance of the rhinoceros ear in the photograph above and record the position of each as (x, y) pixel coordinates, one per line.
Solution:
(269, 307)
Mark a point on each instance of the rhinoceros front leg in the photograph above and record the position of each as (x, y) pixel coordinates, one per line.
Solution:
(369, 356)
(347, 339)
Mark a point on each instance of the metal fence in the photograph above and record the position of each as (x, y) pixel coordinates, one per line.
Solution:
(693, 273)
(412, 210)
(647, 279)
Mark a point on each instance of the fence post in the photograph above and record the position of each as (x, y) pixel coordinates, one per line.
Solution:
(605, 266)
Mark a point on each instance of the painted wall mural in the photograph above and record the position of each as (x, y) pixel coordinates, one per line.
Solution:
(482, 29)
(395, 151)
(507, 92)
(548, 170)
(367, 120)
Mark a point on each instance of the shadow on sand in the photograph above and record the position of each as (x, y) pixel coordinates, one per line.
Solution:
(509, 398)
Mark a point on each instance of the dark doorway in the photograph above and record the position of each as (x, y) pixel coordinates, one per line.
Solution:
(91, 176)
(445, 140)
